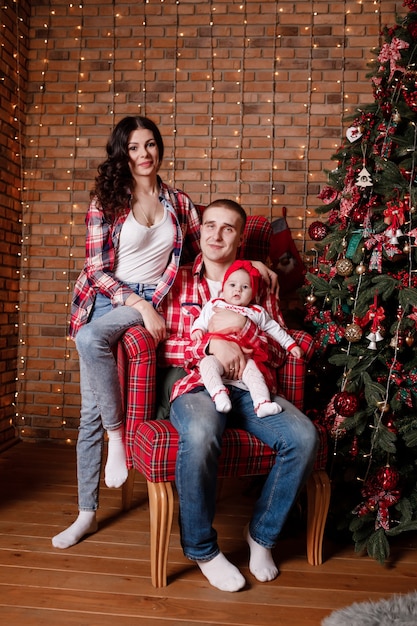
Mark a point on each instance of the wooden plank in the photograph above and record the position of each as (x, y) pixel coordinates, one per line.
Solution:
(107, 576)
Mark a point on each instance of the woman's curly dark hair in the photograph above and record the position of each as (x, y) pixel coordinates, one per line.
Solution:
(114, 178)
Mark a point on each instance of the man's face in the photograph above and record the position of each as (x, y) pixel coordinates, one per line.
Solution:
(221, 234)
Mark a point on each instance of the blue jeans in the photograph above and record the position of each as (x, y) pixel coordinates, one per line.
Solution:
(200, 427)
(101, 401)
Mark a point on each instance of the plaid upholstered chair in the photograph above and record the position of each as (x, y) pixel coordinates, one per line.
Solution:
(152, 444)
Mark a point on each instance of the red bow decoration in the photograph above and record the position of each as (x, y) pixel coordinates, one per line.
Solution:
(379, 499)
(375, 313)
(254, 275)
(394, 214)
(330, 331)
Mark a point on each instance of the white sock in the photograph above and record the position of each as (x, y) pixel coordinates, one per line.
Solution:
(85, 524)
(115, 472)
(261, 563)
(268, 408)
(222, 574)
(222, 402)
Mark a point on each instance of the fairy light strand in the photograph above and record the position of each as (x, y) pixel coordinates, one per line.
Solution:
(212, 88)
(241, 84)
(27, 194)
(303, 219)
(76, 137)
(272, 198)
(174, 95)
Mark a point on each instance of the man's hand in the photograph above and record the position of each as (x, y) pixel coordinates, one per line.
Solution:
(226, 321)
(270, 277)
(230, 356)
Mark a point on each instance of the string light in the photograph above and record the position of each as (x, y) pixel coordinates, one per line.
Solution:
(26, 194)
(212, 89)
(144, 48)
(174, 95)
(241, 83)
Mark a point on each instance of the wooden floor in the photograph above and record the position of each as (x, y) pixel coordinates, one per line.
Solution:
(105, 580)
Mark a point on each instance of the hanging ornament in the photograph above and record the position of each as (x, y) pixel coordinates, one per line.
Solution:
(359, 215)
(354, 448)
(409, 340)
(336, 430)
(353, 133)
(360, 269)
(379, 494)
(364, 178)
(346, 403)
(311, 298)
(396, 117)
(318, 230)
(383, 406)
(394, 216)
(390, 424)
(387, 478)
(397, 341)
(344, 267)
(353, 332)
(374, 338)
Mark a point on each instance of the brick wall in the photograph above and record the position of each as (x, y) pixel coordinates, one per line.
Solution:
(249, 97)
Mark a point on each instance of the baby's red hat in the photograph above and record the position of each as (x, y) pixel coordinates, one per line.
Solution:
(254, 275)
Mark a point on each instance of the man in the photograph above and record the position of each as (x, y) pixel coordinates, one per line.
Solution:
(200, 426)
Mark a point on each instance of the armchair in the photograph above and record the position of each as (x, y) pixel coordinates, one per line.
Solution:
(152, 444)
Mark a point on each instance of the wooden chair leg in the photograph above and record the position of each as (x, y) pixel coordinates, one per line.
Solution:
(318, 501)
(127, 491)
(161, 511)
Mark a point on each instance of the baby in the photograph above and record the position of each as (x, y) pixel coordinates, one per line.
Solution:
(240, 285)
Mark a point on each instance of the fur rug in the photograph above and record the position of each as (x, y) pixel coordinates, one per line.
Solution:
(399, 610)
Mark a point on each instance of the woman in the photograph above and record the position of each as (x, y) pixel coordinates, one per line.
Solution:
(138, 232)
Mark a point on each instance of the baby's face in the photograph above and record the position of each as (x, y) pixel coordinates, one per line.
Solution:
(237, 288)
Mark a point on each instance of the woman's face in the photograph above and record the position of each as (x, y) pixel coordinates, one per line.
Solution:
(143, 153)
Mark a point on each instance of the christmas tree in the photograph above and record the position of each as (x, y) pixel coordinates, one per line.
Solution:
(361, 304)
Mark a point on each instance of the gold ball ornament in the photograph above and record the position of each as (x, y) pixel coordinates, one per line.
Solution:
(406, 248)
(311, 298)
(353, 332)
(409, 340)
(344, 267)
(360, 269)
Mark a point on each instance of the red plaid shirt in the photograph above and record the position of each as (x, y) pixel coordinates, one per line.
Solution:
(182, 306)
(102, 243)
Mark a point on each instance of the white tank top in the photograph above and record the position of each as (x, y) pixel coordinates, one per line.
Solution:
(144, 252)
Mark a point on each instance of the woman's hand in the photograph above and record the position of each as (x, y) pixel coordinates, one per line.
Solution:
(152, 321)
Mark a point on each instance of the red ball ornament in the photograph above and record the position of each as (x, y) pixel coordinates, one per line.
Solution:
(317, 231)
(387, 477)
(346, 403)
(354, 448)
(359, 214)
(390, 424)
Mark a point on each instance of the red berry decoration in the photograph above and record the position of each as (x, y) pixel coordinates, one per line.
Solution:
(346, 403)
(317, 231)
